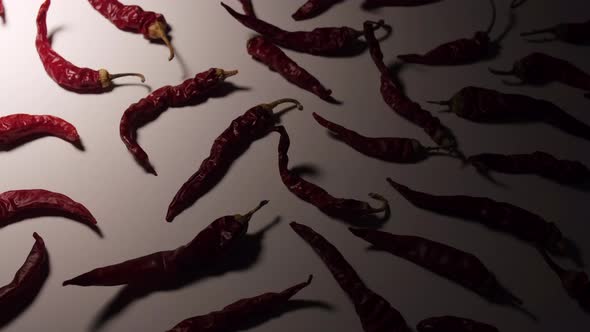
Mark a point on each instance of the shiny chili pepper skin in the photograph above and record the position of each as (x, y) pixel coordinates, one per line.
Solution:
(167, 267)
(227, 147)
(16, 127)
(375, 313)
(453, 324)
(455, 265)
(313, 8)
(340, 208)
(574, 33)
(150, 107)
(248, 7)
(63, 72)
(266, 52)
(133, 18)
(235, 315)
(576, 283)
(372, 4)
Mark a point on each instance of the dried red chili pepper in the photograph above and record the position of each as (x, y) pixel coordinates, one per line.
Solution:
(266, 52)
(574, 33)
(453, 324)
(16, 127)
(313, 8)
(257, 122)
(235, 315)
(165, 267)
(458, 52)
(150, 107)
(372, 4)
(517, 3)
(2, 13)
(453, 264)
(341, 208)
(133, 18)
(248, 7)
(320, 41)
(63, 72)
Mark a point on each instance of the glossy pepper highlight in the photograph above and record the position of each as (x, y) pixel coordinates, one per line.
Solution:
(16, 127)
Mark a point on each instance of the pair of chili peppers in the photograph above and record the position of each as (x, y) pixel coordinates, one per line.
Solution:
(453, 324)
(150, 107)
(372, 4)
(17, 127)
(151, 25)
(235, 315)
(574, 33)
(63, 72)
(576, 283)
(313, 8)
(375, 313)
(255, 123)
(171, 266)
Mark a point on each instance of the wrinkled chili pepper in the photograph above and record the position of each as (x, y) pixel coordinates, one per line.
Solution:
(341, 208)
(574, 33)
(499, 216)
(16, 127)
(150, 107)
(266, 52)
(453, 324)
(313, 8)
(248, 7)
(375, 313)
(63, 72)
(453, 264)
(257, 122)
(320, 41)
(133, 18)
(235, 315)
(458, 52)
(167, 267)
(517, 3)
(400, 103)
(372, 4)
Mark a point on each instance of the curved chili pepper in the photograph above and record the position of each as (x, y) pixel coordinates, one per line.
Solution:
(266, 52)
(313, 8)
(257, 122)
(453, 264)
(453, 324)
(400, 103)
(395, 149)
(341, 208)
(375, 313)
(16, 127)
(320, 41)
(150, 107)
(165, 267)
(499, 216)
(574, 33)
(248, 7)
(458, 52)
(133, 18)
(235, 315)
(517, 3)
(372, 4)
(63, 72)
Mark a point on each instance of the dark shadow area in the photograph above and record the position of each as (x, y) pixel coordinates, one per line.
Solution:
(290, 306)
(184, 73)
(395, 68)
(308, 170)
(38, 213)
(374, 5)
(558, 118)
(6, 147)
(52, 33)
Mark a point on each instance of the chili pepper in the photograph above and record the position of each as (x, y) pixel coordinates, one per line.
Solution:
(400, 103)
(455, 265)
(266, 52)
(453, 324)
(63, 72)
(341, 208)
(458, 52)
(151, 25)
(313, 8)
(165, 267)
(540, 163)
(517, 3)
(235, 315)
(575, 33)
(375, 313)
(150, 107)
(16, 127)
(248, 7)
(257, 122)
(320, 41)
(372, 4)
(2, 13)
(395, 149)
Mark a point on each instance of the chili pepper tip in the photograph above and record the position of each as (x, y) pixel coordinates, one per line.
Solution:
(226, 73)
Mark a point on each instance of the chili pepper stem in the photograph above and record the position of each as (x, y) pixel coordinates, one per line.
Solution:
(226, 73)
(494, 15)
(384, 204)
(536, 32)
(158, 31)
(276, 103)
(246, 217)
(106, 79)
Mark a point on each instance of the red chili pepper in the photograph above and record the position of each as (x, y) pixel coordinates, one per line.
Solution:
(151, 25)
(152, 106)
(15, 127)
(574, 33)
(248, 7)
(453, 324)
(237, 314)
(2, 13)
(233, 142)
(455, 265)
(341, 208)
(372, 4)
(63, 72)
(313, 8)
(168, 267)
(266, 52)
(320, 41)
(458, 52)
(375, 313)
(517, 3)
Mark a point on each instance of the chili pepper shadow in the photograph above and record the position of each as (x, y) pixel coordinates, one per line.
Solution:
(238, 259)
(291, 305)
(26, 140)
(496, 48)
(48, 213)
(308, 170)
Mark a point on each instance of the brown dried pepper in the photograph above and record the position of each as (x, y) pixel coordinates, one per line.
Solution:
(235, 315)
(255, 123)
(63, 72)
(313, 8)
(375, 313)
(453, 324)
(167, 267)
(152, 106)
(15, 127)
(574, 33)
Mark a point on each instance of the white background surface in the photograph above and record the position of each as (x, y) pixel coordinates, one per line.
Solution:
(130, 205)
